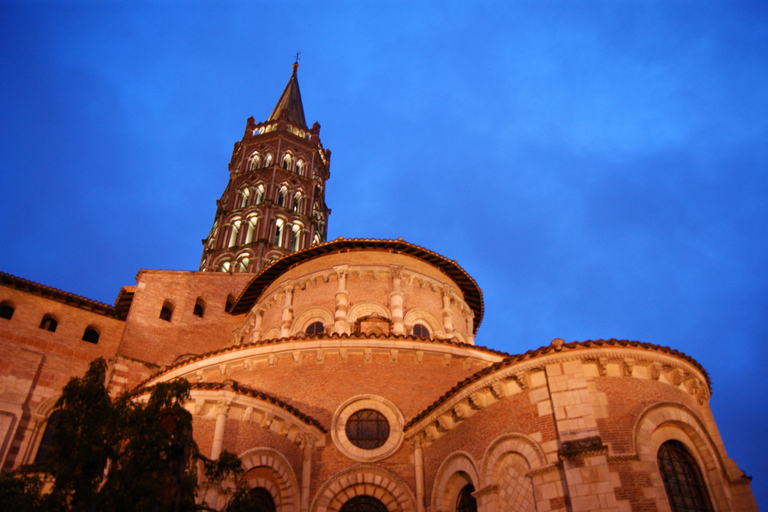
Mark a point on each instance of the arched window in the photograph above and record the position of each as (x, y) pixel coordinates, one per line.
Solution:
(254, 161)
(278, 232)
(281, 197)
(6, 310)
(91, 334)
(224, 266)
(242, 264)
(233, 234)
(682, 479)
(166, 311)
(46, 443)
(420, 331)
(230, 303)
(367, 429)
(315, 328)
(296, 203)
(295, 232)
(300, 167)
(259, 194)
(465, 501)
(262, 499)
(199, 309)
(252, 222)
(363, 504)
(287, 162)
(268, 161)
(49, 323)
(244, 193)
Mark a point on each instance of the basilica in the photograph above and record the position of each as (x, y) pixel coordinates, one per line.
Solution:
(345, 373)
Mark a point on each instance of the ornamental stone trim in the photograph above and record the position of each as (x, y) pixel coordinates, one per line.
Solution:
(377, 403)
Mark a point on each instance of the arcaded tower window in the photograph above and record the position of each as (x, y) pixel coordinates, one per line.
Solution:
(363, 504)
(367, 429)
(466, 502)
(682, 479)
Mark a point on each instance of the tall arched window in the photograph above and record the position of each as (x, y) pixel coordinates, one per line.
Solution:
(466, 502)
(296, 203)
(682, 479)
(281, 197)
(278, 232)
(252, 221)
(259, 194)
(286, 162)
(49, 323)
(46, 443)
(295, 233)
(235, 230)
(6, 310)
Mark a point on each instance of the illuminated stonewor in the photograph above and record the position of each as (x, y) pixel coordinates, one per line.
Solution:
(346, 376)
(274, 202)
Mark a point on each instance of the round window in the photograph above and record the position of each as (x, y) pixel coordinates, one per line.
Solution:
(367, 429)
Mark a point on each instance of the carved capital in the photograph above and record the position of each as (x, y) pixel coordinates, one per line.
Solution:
(579, 448)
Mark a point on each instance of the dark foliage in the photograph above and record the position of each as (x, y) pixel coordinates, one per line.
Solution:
(124, 455)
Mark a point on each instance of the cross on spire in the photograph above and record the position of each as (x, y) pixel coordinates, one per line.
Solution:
(297, 57)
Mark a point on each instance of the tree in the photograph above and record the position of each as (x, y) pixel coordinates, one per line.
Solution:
(121, 455)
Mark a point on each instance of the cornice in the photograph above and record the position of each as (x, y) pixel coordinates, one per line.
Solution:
(512, 375)
(472, 294)
(50, 293)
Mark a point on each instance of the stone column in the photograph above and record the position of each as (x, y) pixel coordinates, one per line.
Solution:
(220, 410)
(418, 463)
(447, 317)
(256, 333)
(340, 325)
(287, 319)
(396, 300)
(308, 446)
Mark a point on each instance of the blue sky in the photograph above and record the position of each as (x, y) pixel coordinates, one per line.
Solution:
(600, 168)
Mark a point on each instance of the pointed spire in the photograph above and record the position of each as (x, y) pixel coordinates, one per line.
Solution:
(290, 99)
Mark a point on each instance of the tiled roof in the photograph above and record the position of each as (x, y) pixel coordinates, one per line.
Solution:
(549, 349)
(472, 293)
(63, 297)
(291, 100)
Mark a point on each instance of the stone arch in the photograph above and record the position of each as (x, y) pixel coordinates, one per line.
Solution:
(268, 468)
(309, 315)
(367, 308)
(506, 466)
(368, 480)
(511, 443)
(667, 421)
(423, 316)
(456, 471)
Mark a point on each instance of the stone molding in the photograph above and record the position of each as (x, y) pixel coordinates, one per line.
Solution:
(358, 403)
(502, 380)
(580, 448)
(512, 443)
(369, 479)
(454, 463)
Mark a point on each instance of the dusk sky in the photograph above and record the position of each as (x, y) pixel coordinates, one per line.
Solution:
(599, 168)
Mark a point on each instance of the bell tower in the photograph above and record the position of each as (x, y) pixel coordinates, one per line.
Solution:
(274, 202)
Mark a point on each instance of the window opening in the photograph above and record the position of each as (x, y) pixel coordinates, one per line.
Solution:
(166, 311)
(315, 328)
(91, 334)
(6, 310)
(263, 500)
(363, 504)
(295, 239)
(420, 331)
(49, 323)
(199, 309)
(466, 502)
(367, 429)
(46, 443)
(229, 304)
(682, 479)
(278, 232)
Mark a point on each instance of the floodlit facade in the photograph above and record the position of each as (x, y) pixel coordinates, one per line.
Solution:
(346, 376)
